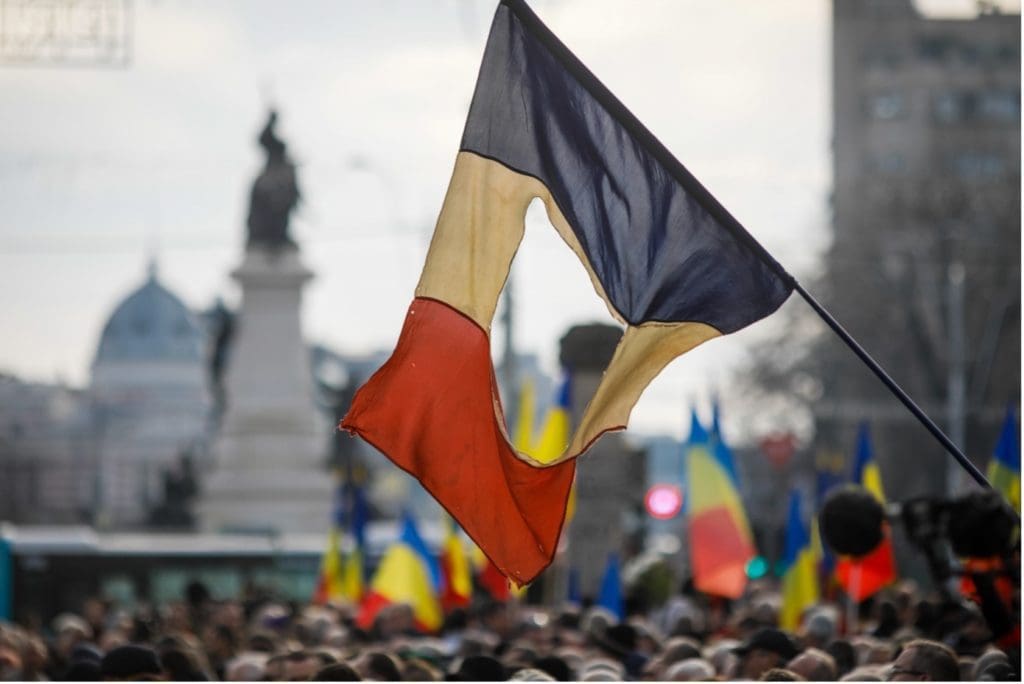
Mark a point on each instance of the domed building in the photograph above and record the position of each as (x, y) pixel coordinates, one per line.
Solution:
(150, 402)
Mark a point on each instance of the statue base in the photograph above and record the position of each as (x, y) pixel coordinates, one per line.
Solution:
(270, 473)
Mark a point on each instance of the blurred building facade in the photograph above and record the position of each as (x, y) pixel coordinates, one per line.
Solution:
(113, 453)
(924, 269)
(47, 457)
(149, 402)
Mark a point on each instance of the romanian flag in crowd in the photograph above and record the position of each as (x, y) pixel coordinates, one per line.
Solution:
(673, 266)
(800, 568)
(1004, 468)
(457, 579)
(721, 544)
(864, 576)
(407, 574)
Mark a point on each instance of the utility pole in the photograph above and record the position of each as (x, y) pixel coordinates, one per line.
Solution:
(509, 369)
(956, 387)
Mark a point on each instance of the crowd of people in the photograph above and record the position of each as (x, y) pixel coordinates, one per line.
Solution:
(901, 634)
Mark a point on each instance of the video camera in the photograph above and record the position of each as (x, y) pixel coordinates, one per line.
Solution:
(977, 526)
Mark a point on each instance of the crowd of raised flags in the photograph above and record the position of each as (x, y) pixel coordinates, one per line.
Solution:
(721, 544)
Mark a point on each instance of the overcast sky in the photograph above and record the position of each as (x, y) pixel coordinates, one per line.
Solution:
(100, 168)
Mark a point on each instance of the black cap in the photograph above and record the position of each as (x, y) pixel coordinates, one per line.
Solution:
(86, 651)
(769, 639)
(130, 661)
(83, 671)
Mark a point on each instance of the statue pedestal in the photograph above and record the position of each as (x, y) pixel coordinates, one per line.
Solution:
(270, 455)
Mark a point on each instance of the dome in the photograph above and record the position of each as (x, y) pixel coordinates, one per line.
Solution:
(151, 324)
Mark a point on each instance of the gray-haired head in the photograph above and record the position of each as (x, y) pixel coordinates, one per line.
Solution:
(690, 670)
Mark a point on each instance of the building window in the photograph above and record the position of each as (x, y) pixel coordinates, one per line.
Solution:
(883, 58)
(889, 164)
(1007, 52)
(978, 166)
(990, 105)
(999, 105)
(935, 48)
(886, 106)
(949, 107)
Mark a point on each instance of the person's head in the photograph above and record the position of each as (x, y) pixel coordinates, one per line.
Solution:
(966, 667)
(689, 670)
(179, 665)
(556, 667)
(419, 670)
(262, 642)
(602, 670)
(497, 617)
(378, 666)
(675, 650)
(337, 672)
(924, 660)
(300, 666)
(722, 656)
(844, 655)
(12, 663)
(864, 673)
(779, 674)
(999, 672)
(819, 628)
(767, 648)
(479, 669)
(220, 641)
(247, 668)
(815, 665)
(70, 630)
(131, 663)
(274, 667)
(531, 674)
(987, 659)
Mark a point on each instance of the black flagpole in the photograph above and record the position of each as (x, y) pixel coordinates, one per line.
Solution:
(893, 387)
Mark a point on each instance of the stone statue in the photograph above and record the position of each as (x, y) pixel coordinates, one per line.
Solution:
(274, 194)
(180, 490)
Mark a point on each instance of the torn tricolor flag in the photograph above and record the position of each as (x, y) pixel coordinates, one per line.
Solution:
(674, 267)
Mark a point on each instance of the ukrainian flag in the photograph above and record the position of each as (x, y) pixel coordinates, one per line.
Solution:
(353, 571)
(672, 265)
(331, 583)
(864, 576)
(1004, 468)
(800, 568)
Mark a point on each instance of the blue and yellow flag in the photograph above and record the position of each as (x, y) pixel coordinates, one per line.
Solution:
(342, 574)
(864, 576)
(672, 265)
(1004, 468)
(800, 568)
(354, 566)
